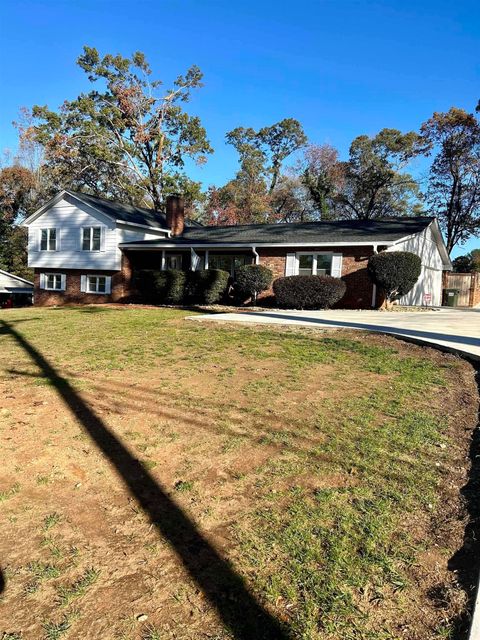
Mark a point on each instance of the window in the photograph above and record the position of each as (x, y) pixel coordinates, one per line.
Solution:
(96, 284)
(52, 281)
(173, 261)
(48, 240)
(305, 265)
(316, 264)
(91, 238)
(226, 262)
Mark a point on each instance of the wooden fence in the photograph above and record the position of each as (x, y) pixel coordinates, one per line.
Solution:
(468, 285)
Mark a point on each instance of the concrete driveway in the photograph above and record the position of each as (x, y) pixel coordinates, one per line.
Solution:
(451, 329)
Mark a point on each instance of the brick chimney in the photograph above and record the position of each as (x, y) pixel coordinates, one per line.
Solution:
(175, 211)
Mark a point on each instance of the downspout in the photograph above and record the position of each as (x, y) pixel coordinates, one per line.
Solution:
(374, 290)
(257, 257)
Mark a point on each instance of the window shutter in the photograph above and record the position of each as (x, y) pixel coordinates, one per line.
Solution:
(291, 264)
(63, 282)
(336, 270)
(108, 285)
(39, 240)
(102, 238)
(83, 283)
(42, 281)
(58, 236)
(80, 239)
(195, 260)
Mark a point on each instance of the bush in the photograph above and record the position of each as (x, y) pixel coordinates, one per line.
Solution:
(395, 272)
(170, 286)
(144, 282)
(208, 286)
(250, 280)
(181, 287)
(308, 292)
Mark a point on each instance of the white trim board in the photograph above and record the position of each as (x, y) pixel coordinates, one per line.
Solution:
(248, 245)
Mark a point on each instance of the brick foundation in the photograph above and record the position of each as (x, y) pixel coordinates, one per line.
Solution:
(120, 290)
(354, 271)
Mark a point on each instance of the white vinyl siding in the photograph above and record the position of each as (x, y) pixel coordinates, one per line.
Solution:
(53, 281)
(94, 283)
(69, 220)
(428, 289)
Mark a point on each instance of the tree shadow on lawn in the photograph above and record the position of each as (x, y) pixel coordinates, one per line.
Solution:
(222, 586)
(466, 561)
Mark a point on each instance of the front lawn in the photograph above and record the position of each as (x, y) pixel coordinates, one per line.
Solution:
(163, 478)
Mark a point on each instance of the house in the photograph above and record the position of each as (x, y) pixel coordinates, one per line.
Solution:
(14, 291)
(84, 249)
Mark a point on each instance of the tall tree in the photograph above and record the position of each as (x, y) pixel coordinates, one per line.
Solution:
(267, 148)
(17, 198)
(258, 193)
(324, 176)
(125, 138)
(374, 182)
(467, 263)
(454, 182)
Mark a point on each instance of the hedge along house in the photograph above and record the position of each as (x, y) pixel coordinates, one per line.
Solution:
(85, 249)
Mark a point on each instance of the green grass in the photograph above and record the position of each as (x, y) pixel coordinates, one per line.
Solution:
(182, 486)
(9, 493)
(55, 630)
(342, 470)
(76, 589)
(51, 520)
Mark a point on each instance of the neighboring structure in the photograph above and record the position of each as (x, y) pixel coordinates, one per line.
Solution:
(467, 285)
(14, 291)
(85, 249)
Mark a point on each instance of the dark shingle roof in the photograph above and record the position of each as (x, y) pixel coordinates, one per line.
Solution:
(344, 231)
(127, 212)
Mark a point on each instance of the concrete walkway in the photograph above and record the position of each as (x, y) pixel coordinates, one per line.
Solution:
(450, 329)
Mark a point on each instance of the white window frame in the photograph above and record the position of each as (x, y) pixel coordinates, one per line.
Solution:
(85, 284)
(49, 230)
(91, 228)
(315, 255)
(44, 281)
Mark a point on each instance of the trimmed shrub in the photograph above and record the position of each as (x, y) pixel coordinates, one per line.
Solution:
(208, 286)
(144, 280)
(182, 287)
(395, 272)
(170, 286)
(252, 279)
(308, 292)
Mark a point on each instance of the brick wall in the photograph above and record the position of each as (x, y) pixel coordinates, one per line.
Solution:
(354, 271)
(72, 293)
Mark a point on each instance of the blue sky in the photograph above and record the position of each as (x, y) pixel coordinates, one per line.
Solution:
(342, 68)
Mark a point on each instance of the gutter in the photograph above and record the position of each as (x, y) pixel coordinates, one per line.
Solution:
(246, 245)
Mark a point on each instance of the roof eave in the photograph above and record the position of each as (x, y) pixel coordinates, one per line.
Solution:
(12, 275)
(220, 245)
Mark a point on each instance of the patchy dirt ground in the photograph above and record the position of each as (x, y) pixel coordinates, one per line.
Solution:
(165, 480)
